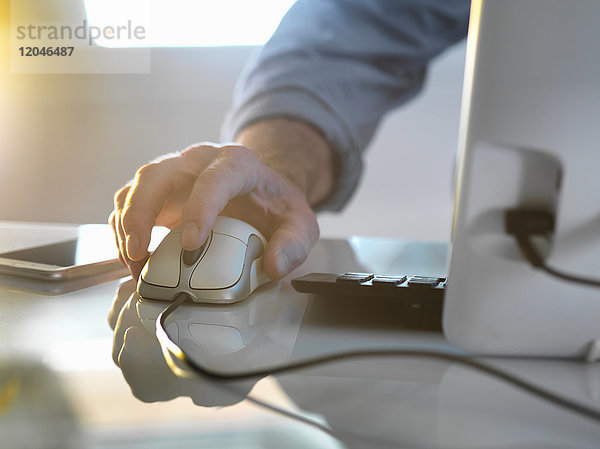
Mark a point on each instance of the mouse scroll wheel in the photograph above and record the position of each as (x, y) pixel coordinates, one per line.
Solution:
(191, 257)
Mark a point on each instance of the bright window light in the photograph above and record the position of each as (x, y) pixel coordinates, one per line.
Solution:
(184, 23)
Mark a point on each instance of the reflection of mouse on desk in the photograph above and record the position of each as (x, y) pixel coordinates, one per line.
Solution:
(226, 269)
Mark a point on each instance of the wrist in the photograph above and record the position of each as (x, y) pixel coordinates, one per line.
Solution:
(295, 150)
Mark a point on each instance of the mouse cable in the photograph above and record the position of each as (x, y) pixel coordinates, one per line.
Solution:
(340, 435)
(533, 256)
(469, 361)
(334, 433)
(523, 224)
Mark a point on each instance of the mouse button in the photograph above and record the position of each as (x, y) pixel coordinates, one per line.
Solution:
(255, 249)
(221, 266)
(163, 267)
(233, 227)
(191, 257)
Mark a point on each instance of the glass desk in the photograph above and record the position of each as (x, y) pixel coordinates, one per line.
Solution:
(71, 378)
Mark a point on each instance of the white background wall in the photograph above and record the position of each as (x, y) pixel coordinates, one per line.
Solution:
(407, 188)
(67, 142)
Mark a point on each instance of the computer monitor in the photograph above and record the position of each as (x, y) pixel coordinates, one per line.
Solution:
(529, 139)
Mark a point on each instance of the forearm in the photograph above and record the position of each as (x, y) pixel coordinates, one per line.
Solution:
(357, 60)
(295, 150)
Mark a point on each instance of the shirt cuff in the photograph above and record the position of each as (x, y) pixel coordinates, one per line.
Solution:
(301, 105)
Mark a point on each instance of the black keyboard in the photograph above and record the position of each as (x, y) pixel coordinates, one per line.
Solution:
(421, 297)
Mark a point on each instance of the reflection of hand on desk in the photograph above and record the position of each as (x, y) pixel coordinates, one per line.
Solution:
(137, 352)
(342, 391)
(393, 401)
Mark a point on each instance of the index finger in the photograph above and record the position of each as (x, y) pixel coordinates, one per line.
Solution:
(233, 173)
(153, 185)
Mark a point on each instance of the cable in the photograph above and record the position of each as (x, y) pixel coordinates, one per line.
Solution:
(180, 299)
(525, 223)
(471, 362)
(533, 256)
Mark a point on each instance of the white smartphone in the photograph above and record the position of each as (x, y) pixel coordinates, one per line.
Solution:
(87, 250)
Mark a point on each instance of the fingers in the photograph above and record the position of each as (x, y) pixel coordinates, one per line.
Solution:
(233, 173)
(290, 244)
(237, 174)
(122, 295)
(115, 224)
(126, 318)
(195, 186)
(156, 189)
(149, 191)
(112, 221)
(156, 185)
(135, 266)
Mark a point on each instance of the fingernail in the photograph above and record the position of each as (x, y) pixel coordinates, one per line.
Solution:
(189, 236)
(133, 244)
(283, 263)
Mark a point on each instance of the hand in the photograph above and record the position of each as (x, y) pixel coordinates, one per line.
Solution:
(194, 186)
(138, 354)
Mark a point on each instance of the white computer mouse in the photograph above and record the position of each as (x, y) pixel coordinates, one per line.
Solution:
(226, 269)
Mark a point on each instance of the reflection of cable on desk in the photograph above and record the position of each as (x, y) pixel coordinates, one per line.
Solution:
(537, 391)
(333, 433)
(291, 415)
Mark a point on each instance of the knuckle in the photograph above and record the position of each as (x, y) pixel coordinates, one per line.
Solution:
(197, 148)
(165, 158)
(238, 153)
(111, 219)
(235, 161)
(120, 196)
(148, 171)
(229, 168)
(219, 176)
(214, 176)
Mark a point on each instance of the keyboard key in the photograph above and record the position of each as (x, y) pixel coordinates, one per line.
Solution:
(423, 281)
(388, 281)
(420, 303)
(355, 278)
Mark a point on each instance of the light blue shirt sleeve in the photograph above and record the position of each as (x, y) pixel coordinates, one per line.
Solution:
(340, 65)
